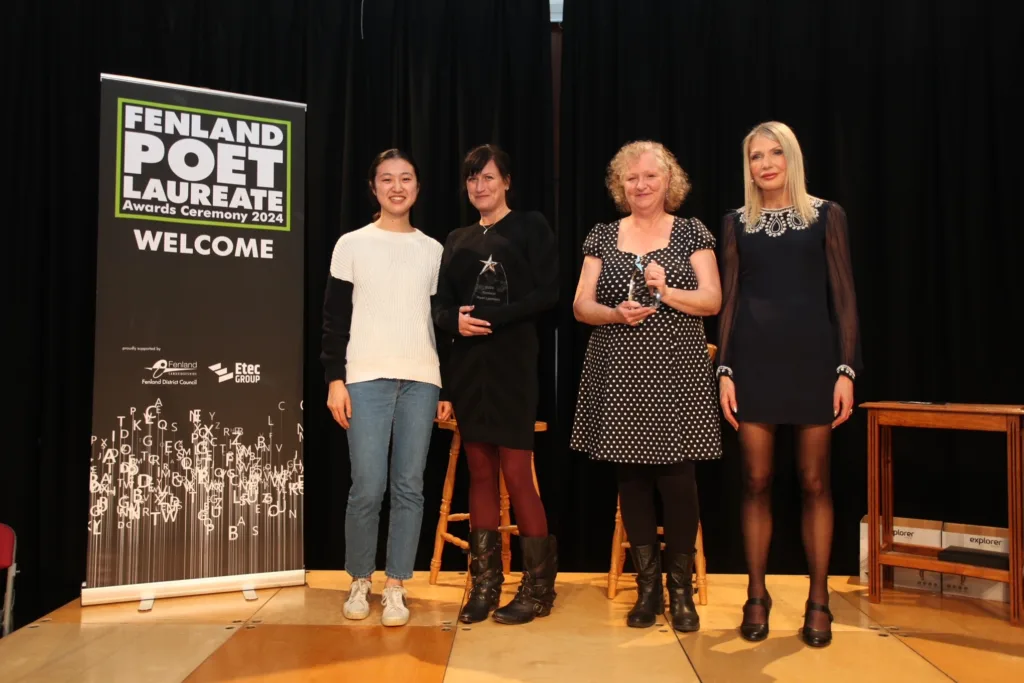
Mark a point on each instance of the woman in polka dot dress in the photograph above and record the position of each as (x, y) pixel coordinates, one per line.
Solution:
(647, 398)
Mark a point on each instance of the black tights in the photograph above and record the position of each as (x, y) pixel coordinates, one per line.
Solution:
(813, 446)
(677, 484)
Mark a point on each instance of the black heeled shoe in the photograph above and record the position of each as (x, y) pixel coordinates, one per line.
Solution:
(756, 632)
(812, 636)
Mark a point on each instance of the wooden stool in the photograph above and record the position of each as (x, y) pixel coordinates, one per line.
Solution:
(620, 543)
(506, 528)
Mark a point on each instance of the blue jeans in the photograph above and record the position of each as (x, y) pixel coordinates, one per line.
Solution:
(400, 413)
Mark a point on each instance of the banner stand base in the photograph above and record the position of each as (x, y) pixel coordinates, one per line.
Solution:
(146, 593)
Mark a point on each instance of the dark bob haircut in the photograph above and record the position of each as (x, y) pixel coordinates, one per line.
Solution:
(479, 157)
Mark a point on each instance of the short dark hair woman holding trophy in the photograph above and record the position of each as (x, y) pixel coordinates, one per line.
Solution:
(647, 398)
(497, 275)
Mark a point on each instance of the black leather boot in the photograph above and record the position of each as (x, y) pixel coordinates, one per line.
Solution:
(680, 592)
(650, 599)
(536, 594)
(485, 570)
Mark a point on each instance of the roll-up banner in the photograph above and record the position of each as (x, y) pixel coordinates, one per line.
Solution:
(196, 473)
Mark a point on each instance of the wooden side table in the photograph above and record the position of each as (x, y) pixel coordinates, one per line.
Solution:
(883, 553)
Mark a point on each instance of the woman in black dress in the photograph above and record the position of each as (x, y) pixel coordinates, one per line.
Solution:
(647, 394)
(496, 276)
(789, 354)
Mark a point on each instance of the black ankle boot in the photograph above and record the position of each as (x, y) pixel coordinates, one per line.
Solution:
(650, 601)
(485, 570)
(680, 592)
(536, 594)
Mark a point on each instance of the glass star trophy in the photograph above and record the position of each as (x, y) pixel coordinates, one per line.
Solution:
(491, 284)
(638, 289)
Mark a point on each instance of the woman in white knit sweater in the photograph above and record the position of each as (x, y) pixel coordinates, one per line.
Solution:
(381, 364)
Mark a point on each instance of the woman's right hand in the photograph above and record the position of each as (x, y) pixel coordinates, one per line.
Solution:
(339, 402)
(727, 397)
(472, 327)
(633, 313)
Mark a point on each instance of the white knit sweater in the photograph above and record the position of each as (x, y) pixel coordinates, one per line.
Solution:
(393, 276)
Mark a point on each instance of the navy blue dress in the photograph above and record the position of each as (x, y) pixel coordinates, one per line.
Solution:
(788, 324)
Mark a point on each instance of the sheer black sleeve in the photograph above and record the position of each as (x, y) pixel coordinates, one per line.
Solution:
(444, 304)
(729, 258)
(542, 253)
(337, 324)
(842, 291)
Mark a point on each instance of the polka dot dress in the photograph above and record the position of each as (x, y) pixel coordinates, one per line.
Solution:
(647, 393)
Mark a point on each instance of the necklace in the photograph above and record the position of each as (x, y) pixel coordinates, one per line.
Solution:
(488, 226)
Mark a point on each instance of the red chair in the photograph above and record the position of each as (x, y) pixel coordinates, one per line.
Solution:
(8, 547)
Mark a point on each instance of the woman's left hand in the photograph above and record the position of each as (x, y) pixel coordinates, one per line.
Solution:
(444, 410)
(842, 400)
(655, 276)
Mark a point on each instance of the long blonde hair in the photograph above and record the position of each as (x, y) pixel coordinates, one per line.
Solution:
(796, 180)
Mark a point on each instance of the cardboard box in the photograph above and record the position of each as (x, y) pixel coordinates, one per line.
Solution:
(922, 532)
(992, 539)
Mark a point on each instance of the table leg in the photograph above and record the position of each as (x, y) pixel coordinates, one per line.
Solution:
(874, 472)
(886, 499)
(1015, 497)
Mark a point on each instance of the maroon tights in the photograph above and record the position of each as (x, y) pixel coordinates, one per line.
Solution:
(484, 460)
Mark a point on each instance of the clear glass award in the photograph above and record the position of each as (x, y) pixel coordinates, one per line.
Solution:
(638, 289)
(491, 285)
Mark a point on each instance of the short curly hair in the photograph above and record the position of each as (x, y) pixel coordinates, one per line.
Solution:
(678, 181)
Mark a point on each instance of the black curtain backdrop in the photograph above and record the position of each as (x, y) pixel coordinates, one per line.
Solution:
(436, 77)
(903, 113)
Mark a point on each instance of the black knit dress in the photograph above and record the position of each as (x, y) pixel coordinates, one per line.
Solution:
(491, 380)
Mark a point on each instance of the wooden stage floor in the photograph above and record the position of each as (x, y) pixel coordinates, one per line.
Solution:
(299, 634)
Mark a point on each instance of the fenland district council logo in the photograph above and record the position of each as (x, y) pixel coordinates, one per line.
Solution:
(172, 373)
(243, 373)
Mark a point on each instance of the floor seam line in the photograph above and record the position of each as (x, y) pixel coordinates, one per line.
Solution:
(891, 634)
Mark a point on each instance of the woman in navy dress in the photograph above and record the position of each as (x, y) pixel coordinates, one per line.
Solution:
(789, 354)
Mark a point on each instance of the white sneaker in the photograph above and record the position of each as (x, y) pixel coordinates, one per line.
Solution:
(358, 606)
(395, 611)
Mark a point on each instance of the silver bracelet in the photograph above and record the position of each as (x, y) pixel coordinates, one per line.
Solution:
(846, 370)
(724, 370)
